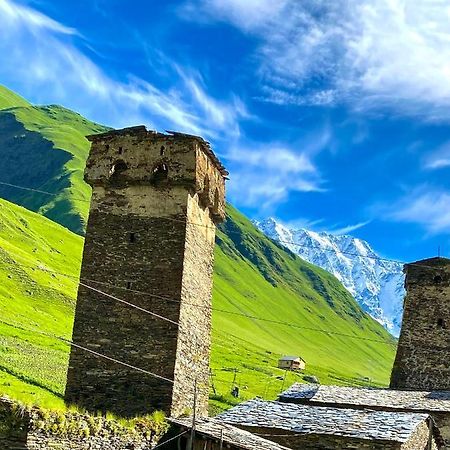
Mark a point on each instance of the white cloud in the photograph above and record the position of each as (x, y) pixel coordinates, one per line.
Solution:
(264, 176)
(38, 51)
(349, 228)
(427, 207)
(370, 53)
(438, 159)
(249, 15)
(17, 14)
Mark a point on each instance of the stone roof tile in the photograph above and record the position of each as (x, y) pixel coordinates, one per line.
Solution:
(391, 399)
(215, 429)
(353, 423)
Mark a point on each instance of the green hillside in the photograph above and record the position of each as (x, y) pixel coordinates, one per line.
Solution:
(253, 277)
(44, 148)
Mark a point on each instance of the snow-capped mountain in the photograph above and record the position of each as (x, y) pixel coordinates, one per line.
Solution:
(376, 284)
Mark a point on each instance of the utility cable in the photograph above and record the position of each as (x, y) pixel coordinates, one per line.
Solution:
(100, 355)
(281, 241)
(128, 303)
(248, 316)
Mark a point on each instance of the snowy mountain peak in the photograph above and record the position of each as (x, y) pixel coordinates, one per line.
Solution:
(375, 283)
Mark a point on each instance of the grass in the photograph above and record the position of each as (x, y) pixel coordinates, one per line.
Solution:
(32, 366)
(45, 148)
(253, 276)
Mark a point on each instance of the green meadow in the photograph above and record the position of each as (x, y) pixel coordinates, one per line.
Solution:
(267, 302)
(254, 279)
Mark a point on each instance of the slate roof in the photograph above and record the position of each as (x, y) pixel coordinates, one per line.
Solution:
(393, 400)
(215, 429)
(290, 358)
(305, 419)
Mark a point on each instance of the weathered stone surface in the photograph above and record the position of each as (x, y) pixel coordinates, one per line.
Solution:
(384, 399)
(26, 428)
(435, 403)
(156, 199)
(215, 435)
(307, 426)
(423, 353)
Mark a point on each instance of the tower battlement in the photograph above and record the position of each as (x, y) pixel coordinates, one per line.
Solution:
(156, 199)
(423, 353)
(136, 156)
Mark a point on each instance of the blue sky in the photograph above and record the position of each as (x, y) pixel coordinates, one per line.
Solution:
(330, 115)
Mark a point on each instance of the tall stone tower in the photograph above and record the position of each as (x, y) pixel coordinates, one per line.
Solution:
(155, 202)
(423, 355)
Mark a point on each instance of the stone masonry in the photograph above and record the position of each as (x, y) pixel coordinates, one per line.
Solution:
(319, 427)
(155, 202)
(423, 353)
(31, 428)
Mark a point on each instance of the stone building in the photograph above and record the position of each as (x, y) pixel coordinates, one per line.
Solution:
(423, 353)
(310, 427)
(211, 434)
(291, 363)
(32, 428)
(433, 403)
(156, 199)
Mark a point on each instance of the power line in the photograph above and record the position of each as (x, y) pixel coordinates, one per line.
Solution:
(128, 303)
(100, 355)
(281, 241)
(248, 316)
(171, 439)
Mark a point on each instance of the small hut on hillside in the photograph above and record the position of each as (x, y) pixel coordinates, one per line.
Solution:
(292, 363)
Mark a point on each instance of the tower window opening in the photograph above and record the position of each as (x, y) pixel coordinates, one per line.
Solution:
(132, 237)
(107, 146)
(440, 323)
(120, 150)
(437, 279)
(129, 285)
(216, 199)
(162, 150)
(117, 168)
(160, 173)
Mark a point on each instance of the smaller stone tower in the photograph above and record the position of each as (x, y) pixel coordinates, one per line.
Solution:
(423, 354)
(156, 200)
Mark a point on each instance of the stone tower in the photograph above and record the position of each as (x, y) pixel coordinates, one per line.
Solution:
(423, 355)
(155, 202)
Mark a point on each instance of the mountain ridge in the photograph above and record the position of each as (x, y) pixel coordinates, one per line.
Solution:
(376, 283)
(266, 300)
(56, 136)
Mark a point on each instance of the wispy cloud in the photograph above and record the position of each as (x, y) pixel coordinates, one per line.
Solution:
(425, 206)
(348, 228)
(266, 175)
(371, 54)
(439, 158)
(40, 52)
(14, 14)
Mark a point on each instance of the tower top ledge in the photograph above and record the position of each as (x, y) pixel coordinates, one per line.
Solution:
(141, 131)
(436, 261)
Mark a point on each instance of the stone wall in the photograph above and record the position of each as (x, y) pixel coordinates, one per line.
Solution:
(27, 428)
(423, 350)
(311, 441)
(151, 228)
(442, 425)
(421, 439)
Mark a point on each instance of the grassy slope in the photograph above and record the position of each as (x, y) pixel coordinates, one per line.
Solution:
(32, 367)
(47, 147)
(258, 277)
(253, 275)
